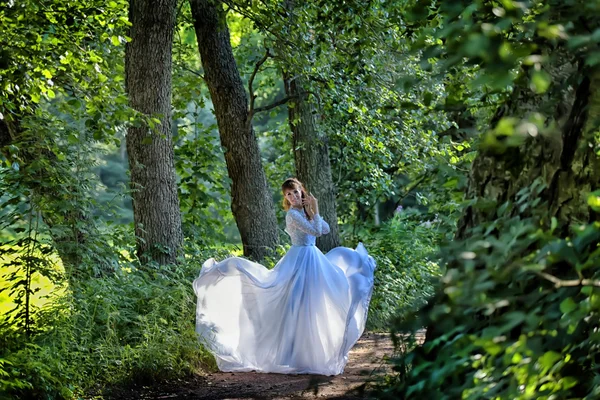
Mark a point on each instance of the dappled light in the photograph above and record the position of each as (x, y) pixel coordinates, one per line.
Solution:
(143, 146)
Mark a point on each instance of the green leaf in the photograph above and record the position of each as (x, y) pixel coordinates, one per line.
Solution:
(549, 359)
(72, 139)
(540, 81)
(567, 305)
(594, 200)
(568, 382)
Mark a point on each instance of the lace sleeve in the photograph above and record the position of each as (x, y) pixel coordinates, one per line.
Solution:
(316, 227)
(324, 225)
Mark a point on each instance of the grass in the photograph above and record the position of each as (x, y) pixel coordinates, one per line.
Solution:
(44, 291)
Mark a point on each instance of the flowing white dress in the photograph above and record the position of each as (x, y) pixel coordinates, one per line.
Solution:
(301, 317)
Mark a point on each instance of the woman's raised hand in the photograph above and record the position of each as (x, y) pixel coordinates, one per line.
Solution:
(312, 203)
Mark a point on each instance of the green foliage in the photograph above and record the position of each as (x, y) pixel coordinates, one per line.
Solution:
(132, 325)
(48, 172)
(203, 183)
(56, 48)
(138, 325)
(500, 36)
(405, 249)
(389, 122)
(20, 270)
(516, 315)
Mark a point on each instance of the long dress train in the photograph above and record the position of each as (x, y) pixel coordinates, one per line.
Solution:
(301, 317)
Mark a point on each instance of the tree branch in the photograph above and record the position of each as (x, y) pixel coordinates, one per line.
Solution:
(413, 186)
(192, 71)
(274, 104)
(251, 81)
(282, 101)
(558, 283)
(251, 110)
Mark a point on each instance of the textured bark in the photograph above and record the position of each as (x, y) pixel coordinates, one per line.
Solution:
(565, 163)
(6, 137)
(311, 155)
(151, 159)
(252, 202)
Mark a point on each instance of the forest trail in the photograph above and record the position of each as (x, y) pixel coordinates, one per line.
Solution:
(367, 363)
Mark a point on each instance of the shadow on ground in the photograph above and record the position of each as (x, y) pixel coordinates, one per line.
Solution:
(366, 365)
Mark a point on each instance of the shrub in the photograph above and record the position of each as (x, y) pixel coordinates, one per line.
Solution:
(137, 324)
(405, 250)
(516, 316)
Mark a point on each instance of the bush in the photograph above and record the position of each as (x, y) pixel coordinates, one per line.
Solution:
(516, 317)
(405, 249)
(137, 324)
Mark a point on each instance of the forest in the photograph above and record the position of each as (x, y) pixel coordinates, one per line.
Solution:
(458, 140)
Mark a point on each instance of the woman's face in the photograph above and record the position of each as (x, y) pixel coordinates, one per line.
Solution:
(294, 196)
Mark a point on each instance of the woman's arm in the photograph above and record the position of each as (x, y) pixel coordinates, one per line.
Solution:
(311, 205)
(324, 225)
(295, 220)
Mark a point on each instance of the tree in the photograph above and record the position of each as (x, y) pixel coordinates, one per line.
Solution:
(149, 144)
(252, 203)
(550, 143)
(311, 155)
(55, 74)
(528, 241)
(310, 144)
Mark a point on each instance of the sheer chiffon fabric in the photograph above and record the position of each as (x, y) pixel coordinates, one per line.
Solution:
(301, 317)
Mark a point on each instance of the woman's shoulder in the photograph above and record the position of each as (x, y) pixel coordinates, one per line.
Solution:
(293, 212)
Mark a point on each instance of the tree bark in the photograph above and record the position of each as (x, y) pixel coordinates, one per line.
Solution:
(311, 155)
(252, 202)
(566, 165)
(151, 158)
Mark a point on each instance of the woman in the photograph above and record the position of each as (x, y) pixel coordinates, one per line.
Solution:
(301, 317)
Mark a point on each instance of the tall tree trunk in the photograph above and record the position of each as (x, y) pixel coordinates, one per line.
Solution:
(252, 202)
(151, 158)
(563, 162)
(311, 154)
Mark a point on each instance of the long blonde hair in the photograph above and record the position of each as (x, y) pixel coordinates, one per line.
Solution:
(293, 183)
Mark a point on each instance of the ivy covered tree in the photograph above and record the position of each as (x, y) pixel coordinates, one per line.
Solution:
(310, 142)
(514, 315)
(59, 67)
(311, 156)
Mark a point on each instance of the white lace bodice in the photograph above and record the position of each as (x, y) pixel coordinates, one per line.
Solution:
(302, 231)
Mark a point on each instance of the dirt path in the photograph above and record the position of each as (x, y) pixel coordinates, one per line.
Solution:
(367, 362)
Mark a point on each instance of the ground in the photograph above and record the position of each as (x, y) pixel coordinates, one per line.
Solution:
(366, 365)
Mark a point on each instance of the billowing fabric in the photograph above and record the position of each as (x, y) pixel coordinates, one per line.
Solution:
(301, 317)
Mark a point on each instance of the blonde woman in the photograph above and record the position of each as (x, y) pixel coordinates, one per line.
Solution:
(301, 317)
